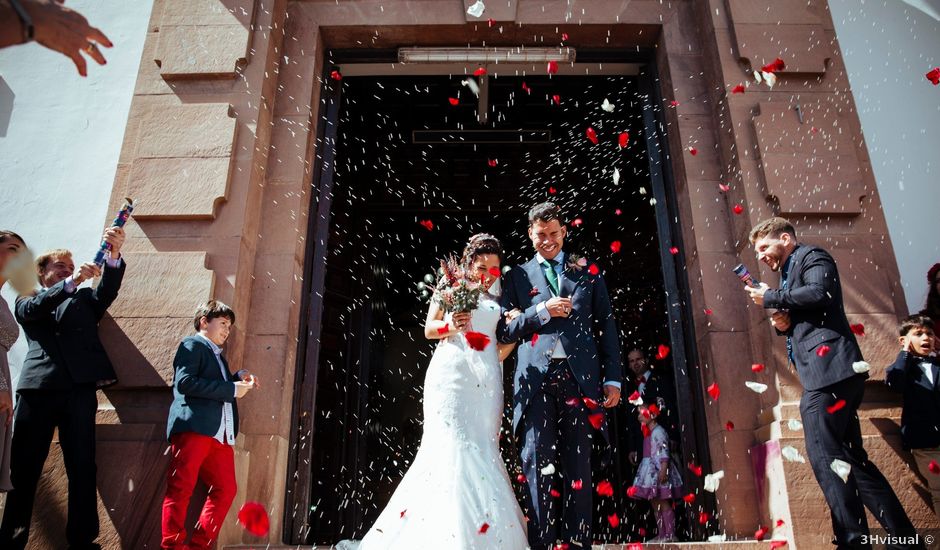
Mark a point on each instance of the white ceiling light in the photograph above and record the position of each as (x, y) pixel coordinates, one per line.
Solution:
(485, 55)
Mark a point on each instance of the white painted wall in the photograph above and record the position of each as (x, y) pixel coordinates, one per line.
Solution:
(889, 45)
(60, 151)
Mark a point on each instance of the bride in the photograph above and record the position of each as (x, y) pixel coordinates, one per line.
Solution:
(457, 493)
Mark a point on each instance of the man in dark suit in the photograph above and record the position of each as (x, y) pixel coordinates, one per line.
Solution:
(57, 388)
(821, 345)
(568, 352)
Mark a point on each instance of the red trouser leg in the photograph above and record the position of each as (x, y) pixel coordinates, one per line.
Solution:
(218, 473)
(187, 454)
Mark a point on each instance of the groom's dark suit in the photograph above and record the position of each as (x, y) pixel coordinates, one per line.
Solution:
(549, 416)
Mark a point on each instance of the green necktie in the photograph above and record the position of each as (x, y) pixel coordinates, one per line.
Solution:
(551, 275)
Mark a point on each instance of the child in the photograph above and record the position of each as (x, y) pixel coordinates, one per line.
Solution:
(914, 373)
(202, 426)
(657, 478)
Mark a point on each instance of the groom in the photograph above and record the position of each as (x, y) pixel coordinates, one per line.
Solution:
(568, 350)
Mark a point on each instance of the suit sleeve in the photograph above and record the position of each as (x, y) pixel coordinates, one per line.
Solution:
(107, 290)
(896, 375)
(605, 327)
(189, 361)
(523, 325)
(818, 274)
(42, 304)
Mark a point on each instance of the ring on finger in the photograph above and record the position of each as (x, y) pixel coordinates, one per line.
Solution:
(90, 48)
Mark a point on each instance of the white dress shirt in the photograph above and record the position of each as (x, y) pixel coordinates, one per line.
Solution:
(226, 433)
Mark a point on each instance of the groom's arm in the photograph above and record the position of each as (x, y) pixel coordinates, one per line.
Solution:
(605, 328)
(523, 325)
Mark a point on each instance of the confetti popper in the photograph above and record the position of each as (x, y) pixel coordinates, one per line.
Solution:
(123, 214)
(745, 275)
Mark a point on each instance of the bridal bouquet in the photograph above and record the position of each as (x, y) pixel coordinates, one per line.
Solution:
(455, 292)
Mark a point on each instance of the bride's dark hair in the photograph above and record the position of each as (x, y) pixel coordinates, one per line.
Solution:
(481, 243)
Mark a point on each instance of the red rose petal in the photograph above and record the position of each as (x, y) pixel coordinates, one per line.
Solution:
(591, 135)
(521, 478)
(858, 329)
(713, 390)
(703, 517)
(596, 420)
(479, 72)
(739, 89)
(708, 311)
(615, 247)
(934, 467)
(534, 292)
(634, 396)
(490, 22)
(673, 103)
(552, 190)
(593, 269)
(477, 340)
(774, 544)
(618, 211)
(934, 76)
(402, 513)
(724, 188)
(613, 520)
(589, 403)
(491, 162)
(444, 330)
(561, 546)
(576, 222)
(526, 88)
(484, 528)
(642, 532)
(573, 402)
(556, 99)
(605, 489)
(738, 209)
(780, 523)
(653, 409)
(693, 151)
(254, 518)
(554, 493)
(564, 36)
(695, 469)
(636, 545)
(631, 491)
(576, 484)
(336, 75)
(689, 498)
(662, 352)
(427, 224)
(494, 271)
(838, 405)
(729, 425)
(823, 350)
(757, 367)
(774, 66)
(552, 67)
(535, 338)
(761, 533)
(674, 250)
(453, 100)
(623, 139)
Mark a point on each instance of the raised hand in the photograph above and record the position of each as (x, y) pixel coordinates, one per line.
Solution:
(86, 271)
(558, 307)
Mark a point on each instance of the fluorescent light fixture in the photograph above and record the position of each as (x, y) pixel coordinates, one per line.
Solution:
(483, 56)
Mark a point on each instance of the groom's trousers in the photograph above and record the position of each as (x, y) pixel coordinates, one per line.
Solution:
(557, 433)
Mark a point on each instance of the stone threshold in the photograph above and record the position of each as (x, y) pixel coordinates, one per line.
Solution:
(730, 545)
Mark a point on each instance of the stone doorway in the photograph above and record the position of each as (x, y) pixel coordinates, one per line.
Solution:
(405, 150)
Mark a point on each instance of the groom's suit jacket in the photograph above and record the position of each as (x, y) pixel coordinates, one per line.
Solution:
(589, 335)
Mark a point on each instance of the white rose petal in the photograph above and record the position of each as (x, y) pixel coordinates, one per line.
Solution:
(792, 455)
(718, 538)
(756, 387)
(636, 402)
(472, 84)
(770, 79)
(711, 481)
(616, 176)
(653, 202)
(757, 77)
(642, 190)
(861, 367)
(607, 106)
(548, 470)
(476, 10)
(841, 468)
(794, 424)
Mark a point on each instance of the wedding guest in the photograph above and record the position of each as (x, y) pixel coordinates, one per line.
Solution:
(657, 479)
(11, 246)
(57, 389)
(54, 26)
(651, 387)
(202, 426)
(914, 374)
(932, 307)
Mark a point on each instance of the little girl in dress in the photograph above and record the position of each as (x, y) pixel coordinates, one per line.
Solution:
(657, 478)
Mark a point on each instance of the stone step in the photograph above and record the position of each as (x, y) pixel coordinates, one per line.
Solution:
(729, 545)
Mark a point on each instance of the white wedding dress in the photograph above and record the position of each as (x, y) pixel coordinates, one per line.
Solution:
(456, 494)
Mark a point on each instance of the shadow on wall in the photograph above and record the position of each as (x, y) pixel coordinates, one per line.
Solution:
(6, 106)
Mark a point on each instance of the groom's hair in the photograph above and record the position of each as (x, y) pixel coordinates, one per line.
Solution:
(545, 212)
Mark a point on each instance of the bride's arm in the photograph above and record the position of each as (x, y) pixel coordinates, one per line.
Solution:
(435, 327)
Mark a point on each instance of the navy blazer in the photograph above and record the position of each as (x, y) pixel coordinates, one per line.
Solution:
(813, 298)
(62, 332)
(589, 334)
(199, 390)
(920, 417)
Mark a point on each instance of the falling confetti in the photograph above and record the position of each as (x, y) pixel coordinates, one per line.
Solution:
(858, 329)
(712, 480)
(693, 151)
(479, 72)
(695, 469)
(453, 101)
(662, 352)
(841, 468)
(738, 209)
(739, 89)
(729, 425)
(861, 367)
(761, 533)
(794, 424)
(724, 188)
(623, 139)
(756, 387)
(427, 224)
(757, 367)
(593, 269)
(631, 491)
(934, 76)
(548, 470)
(791, 454)
(613, 520)
(615, 247)
(713, 390)
(837, 406)
(605, 489)
(591, 135)
(477, 340)
(616, 176)
(596, 420)
(934, 467)
(484, 528)
(556, 99)
(635, 399)
(476, 10)
(774, 66)
(576, 484)
(336, 75)
(552, 67)
(607, 106)
(674, 250)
